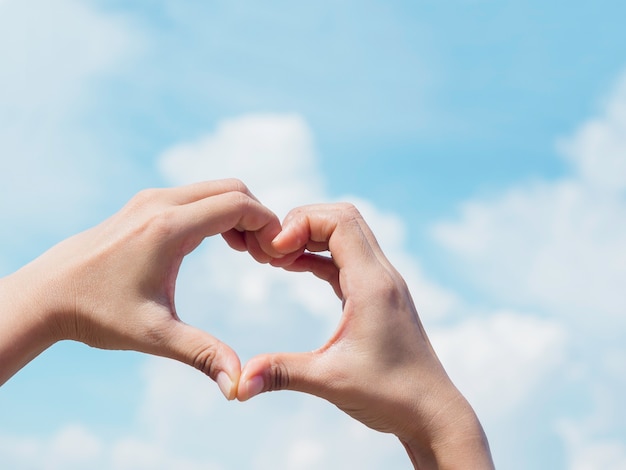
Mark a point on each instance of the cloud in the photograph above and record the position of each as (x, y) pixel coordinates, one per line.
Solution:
(272, 153)
(53, 56)
(558, 246)
(315, 435)
(555, 248)
(188, 405)
(586, 452)
(137, 454)
(72, 446)
(597, 150)
(48, 52)
(500, 361)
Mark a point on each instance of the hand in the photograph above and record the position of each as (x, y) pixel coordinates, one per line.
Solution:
(112, 287)
(379, 366)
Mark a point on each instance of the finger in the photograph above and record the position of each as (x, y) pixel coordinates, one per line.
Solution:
(317, 247)
(196, 191)
(248, 241)
(288, 259)
(281, 371)
(254, 248)
(235, 239)
(204, 352)
(341, 226)
(224, 212)
(322, 267)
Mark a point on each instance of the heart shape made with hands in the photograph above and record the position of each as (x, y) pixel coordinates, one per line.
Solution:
(296, 246)
(112, 287)
(357, 270)
(379, 338)
(121, 278)
(313, 256)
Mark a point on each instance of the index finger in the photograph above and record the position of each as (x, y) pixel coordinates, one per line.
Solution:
(201, 190)
(340, 226)
(226, 211)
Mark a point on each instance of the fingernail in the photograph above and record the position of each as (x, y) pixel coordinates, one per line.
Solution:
(225, 385)
(278, 237)
(254, 386)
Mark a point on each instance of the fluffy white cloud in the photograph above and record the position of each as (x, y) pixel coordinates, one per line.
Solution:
(598, 149)
(72, 446)
(316, 435)
(49, 50)
(272, 153)
(585, 452)
(137, 454)
(500, 361)
(53, 54)
(189, 395)
(556, 246)
(559, 246)
(76, 447)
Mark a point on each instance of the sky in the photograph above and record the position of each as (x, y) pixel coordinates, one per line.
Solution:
(484, 142)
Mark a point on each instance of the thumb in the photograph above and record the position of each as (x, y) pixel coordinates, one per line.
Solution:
(280, 371)
(206, 353)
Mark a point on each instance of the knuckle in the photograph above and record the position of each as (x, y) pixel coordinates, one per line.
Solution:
(301, 211)
(296, 211)
(349, 216)
(279, 376)
(162, 221)
(392, 289)
(237, 185)
(157, 226)
(240, 201)
(145, 196)
(349, 211)
(142, 201)
(204, 360)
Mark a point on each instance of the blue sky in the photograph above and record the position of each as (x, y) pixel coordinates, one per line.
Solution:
(484, 141)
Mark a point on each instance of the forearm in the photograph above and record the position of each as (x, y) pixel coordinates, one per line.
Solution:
(24, 330)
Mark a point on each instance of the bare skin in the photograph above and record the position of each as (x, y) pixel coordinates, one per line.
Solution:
(112, 287)
(379, 366)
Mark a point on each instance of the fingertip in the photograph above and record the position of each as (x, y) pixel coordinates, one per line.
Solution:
(278, 241)
(287, 259)
(226, 385)
(207, 354)
(289, 240)
(252, 379)
(229, 374)
(251, 387)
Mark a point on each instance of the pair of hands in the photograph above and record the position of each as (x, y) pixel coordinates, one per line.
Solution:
(112, 287)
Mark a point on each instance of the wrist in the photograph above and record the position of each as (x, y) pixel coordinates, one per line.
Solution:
(25, 322)
(453, 440)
